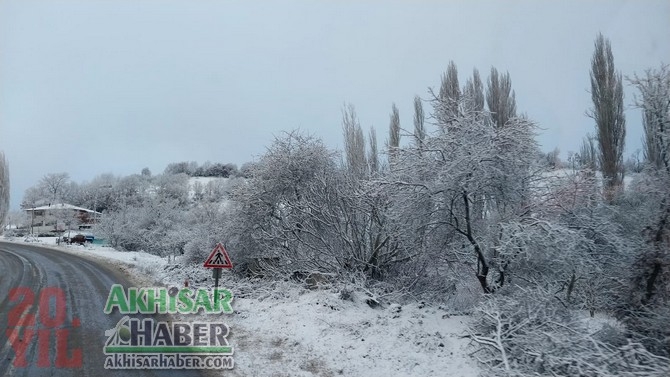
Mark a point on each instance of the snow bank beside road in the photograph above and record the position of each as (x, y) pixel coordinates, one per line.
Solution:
(298, 332)
(284, 329)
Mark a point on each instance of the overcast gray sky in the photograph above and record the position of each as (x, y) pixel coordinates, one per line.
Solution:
(90, 87)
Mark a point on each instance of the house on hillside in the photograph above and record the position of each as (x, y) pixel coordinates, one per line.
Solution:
(59, 217)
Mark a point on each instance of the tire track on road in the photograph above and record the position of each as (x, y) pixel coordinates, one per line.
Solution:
(86, 284)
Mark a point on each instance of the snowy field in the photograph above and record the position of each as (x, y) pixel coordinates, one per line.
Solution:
(285, 329)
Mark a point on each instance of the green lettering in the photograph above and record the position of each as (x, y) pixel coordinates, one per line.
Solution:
(116, 298)
(186, 301)
(223, 305)
(203, 301)
(137, 299)
(161, 301)
(173, 304)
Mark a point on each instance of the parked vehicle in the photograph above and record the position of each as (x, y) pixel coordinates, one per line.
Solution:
(79, 239)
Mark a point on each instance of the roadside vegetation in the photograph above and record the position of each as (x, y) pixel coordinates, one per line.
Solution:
(460, 208)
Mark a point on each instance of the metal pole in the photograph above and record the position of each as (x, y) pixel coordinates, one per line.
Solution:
(217, 275)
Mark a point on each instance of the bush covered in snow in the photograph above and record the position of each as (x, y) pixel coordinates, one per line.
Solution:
(529, 333)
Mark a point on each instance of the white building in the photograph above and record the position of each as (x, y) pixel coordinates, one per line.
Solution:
(59, 217)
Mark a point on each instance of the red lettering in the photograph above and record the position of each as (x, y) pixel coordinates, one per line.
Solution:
(20, 345)
(45, 313)
(62, 360)
(43, 348)
(21, 329)
(25, 297)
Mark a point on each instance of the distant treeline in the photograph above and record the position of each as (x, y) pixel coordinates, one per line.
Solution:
(208, 169)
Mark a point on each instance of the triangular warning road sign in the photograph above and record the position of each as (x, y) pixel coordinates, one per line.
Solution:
(218, 258)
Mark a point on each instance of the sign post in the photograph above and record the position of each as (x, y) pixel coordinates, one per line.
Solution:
(217, 260)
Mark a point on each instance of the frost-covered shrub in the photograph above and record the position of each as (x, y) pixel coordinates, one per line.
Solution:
(650, 324)
(157, 227)
(530, 333)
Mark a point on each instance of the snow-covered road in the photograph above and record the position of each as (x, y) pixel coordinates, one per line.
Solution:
(284, 329)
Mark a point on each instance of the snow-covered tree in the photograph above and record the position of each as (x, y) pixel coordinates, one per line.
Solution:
(272, 207)
(394, 131)
(419, 120)
(476, 178)
(4, 188)
(129, 190)
(157, 226)
(302, 208)
(373, 153)
(450, 93)
(645, 211)
(54, 185)
(527, 333)
(185, 167)
(608, 113)
(645, 215)
(474, 91)
(354, 142)
(500, 98)
(654, 100)
(171, 187)
(588, 154)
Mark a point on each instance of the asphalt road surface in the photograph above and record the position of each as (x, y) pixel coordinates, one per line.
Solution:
(56, 312)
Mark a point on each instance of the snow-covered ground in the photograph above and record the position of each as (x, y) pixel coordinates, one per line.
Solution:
(550, 176)
(206, 180)
(284, 329)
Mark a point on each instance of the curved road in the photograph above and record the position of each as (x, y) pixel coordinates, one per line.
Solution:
(85, 285)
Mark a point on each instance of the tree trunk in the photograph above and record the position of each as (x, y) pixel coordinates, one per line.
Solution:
(482, 266)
